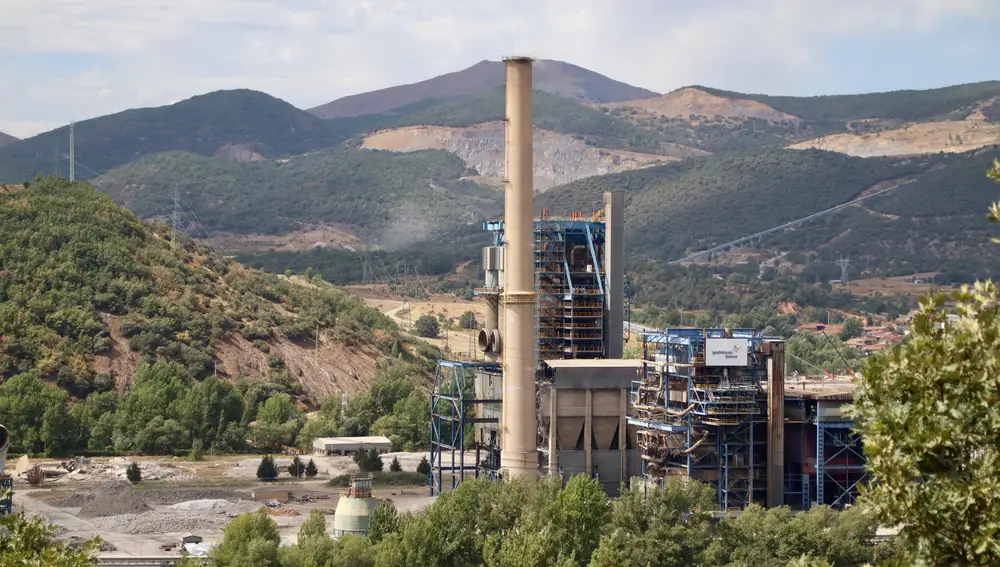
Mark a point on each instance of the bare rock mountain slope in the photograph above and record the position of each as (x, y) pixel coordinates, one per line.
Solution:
(555, 77)
(956, 136)
(558, 158)
(686, 101)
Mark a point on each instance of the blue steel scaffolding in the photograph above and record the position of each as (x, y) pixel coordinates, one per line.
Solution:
(700, 421)
(464, 395)
(840, 463)
(6, 487)
(569, 285)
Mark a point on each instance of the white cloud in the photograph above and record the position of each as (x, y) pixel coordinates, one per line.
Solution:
(74, 59)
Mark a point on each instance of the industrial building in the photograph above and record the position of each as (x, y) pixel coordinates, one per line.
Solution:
(350, 445)
(553, 396)
(550, 394)
(713, 405)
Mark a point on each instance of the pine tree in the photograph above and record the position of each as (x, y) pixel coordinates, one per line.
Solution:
(395, 465)
(424, 467)
(311, 469)
(296, 468)
(267, 470)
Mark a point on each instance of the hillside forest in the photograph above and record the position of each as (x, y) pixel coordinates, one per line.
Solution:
(87, 286)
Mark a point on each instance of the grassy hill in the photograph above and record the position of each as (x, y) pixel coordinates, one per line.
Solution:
(222, 121)
(7, 139)
(397, 198)
(89, 293)
(556, 77)
(692, 205)
(954, 102)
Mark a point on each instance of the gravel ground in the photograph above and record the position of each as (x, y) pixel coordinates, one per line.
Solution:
(191, 516)
(176, 495)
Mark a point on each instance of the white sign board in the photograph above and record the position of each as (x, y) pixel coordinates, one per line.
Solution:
(726, 352)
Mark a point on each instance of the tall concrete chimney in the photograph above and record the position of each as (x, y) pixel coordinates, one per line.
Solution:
(519, 444)
(614, 269)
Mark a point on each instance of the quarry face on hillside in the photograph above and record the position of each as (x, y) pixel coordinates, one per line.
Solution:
(559, 158)
(687, 101)
(929, 137)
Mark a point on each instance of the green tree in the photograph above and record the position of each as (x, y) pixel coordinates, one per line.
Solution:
(853, 327)
(311, 469)
(249, 540)
(424, 466)
(368, 460)
(267, 470)
(427, 326)
(25, 542)
(468, 320)
(395, 465)
(296, 468)
(384, 521)
(133, 473)
(313, 526)
(929, 412)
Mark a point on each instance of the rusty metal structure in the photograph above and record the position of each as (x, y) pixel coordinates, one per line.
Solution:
(713, 405)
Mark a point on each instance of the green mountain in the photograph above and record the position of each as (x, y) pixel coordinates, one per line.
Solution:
(396, 198)
(239, 124)
(89, 293)
(954, 103)
(556, 77)
(7, 139)
(939, 221)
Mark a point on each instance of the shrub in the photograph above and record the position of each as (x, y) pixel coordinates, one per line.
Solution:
(395, 465)
(133, 473)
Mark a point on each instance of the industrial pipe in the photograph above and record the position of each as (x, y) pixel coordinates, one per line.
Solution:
(519, 445)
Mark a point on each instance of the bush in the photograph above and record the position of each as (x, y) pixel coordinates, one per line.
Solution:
(395, 465)
(311, 469)
(424, 467)
(35, 476)
(383, 479)
(267, 470)
(369, 461)
(296, 469)
(427, 327)
(133, 473)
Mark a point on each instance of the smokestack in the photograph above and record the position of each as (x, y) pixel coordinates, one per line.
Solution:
(519, 444)
(614, 270)
(4, 445)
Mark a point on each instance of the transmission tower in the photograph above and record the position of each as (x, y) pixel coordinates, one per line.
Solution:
(72, 154)
(843, 263)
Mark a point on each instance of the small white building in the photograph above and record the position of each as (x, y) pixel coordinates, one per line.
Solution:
(350, 445)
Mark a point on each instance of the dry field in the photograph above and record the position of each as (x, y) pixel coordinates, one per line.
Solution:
(895, 285)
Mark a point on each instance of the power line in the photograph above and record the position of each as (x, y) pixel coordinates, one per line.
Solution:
(783, 226)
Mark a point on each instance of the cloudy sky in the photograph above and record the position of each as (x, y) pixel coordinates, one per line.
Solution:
(68, 60)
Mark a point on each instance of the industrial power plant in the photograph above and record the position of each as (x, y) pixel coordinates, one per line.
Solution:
(553, 395)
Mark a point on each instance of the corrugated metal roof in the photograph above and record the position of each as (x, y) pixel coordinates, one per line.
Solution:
(373, 439)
